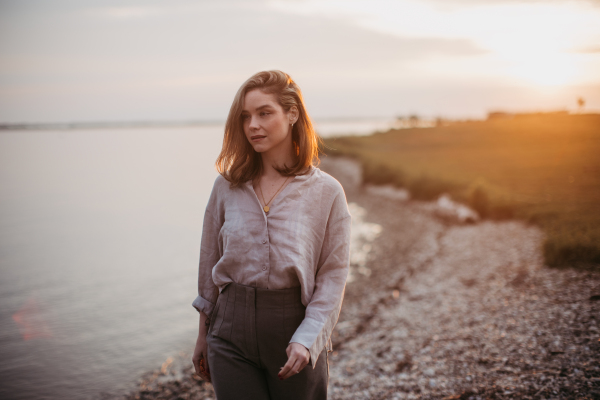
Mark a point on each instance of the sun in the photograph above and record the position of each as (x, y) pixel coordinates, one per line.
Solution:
(536, 52)
(534, 59)
(543, 68)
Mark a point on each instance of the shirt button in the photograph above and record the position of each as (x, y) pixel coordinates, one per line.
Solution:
(264, 241)
(264, 267)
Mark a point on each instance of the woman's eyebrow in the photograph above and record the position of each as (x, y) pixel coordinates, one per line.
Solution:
(264, 106)
(259, 108)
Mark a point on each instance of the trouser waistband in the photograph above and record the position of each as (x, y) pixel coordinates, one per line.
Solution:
(263, 298)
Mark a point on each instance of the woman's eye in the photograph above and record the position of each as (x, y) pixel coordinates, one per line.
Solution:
(244, 117)
(262, 114)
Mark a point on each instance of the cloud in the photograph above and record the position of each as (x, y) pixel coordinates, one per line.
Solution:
(587, 50)
(490, 2)
(201, 38)
(112, 60)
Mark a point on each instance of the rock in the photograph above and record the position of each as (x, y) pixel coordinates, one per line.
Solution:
(388, 191)
(446, 208)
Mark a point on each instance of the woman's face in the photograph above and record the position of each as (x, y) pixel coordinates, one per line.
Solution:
(266, 125)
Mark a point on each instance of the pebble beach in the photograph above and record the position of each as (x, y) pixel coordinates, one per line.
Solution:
(438, 307)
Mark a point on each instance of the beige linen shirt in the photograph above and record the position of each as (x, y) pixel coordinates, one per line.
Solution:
(303, 241)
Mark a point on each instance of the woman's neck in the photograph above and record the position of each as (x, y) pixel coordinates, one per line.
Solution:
(270, 160)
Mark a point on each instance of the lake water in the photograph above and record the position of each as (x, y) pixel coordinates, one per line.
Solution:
(99, 245)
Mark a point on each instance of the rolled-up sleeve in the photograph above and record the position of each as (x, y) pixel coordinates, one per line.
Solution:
(210, 253)
(323, 310)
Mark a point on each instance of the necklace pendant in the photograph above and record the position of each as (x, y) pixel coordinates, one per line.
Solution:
(266, 208)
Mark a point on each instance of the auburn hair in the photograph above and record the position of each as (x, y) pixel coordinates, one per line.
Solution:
(238, 162)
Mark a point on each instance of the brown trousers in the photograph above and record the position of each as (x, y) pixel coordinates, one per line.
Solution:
(247, 340)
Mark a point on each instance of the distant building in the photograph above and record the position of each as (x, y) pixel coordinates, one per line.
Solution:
(495, 115)
(499, 115)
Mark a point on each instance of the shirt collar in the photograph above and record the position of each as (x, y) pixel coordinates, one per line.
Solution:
(297, 178)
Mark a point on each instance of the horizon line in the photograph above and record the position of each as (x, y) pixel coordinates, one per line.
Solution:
(6, 126)
(151, 123)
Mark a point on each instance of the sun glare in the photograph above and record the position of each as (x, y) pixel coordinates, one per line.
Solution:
(536, 52)
(545, 69)
(530, 43)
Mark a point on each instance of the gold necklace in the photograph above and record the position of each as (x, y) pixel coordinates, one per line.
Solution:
(266, 207)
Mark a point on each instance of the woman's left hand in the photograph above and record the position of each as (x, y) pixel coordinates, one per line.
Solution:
(298, 357)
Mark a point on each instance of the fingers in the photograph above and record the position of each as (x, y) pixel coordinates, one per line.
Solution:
(298, 357)
(201, 367)
(203, 364)
(293, 370)
(196, 361)
(287, 368)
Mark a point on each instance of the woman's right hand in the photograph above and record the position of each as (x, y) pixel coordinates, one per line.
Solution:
(200, 357)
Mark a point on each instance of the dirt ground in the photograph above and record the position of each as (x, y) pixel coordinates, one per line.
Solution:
(439, 309)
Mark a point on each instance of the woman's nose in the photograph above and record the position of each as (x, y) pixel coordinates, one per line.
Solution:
(253, 123)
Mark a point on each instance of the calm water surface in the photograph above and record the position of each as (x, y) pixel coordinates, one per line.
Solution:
(99, 244)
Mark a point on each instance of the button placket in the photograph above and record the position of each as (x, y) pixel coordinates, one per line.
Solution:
(264, 241)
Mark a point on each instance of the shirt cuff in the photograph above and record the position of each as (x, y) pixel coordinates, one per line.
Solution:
(313, 335)
(201, 304)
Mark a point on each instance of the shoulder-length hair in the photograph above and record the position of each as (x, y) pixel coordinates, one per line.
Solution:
(238, 162)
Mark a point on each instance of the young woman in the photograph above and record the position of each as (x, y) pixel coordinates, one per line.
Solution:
(274, 252)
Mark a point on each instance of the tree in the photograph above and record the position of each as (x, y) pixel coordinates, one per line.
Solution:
(413, 120)
(581, 104)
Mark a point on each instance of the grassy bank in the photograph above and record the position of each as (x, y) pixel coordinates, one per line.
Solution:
(543, 168)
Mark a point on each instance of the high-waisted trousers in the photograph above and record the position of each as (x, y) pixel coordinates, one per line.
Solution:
(247, 339)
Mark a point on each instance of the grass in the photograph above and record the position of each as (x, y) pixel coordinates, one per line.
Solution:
(543, 168)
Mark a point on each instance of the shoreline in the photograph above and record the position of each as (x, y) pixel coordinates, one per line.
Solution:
(446, 310)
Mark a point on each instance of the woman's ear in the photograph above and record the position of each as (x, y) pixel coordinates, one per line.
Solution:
(293, 114)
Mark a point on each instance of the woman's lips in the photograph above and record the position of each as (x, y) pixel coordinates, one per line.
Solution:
(257, 137)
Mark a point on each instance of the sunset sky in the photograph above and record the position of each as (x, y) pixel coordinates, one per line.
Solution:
(151, 60)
